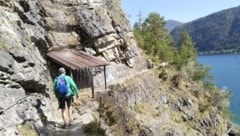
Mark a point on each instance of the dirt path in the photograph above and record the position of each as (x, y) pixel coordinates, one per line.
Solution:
(84, 111)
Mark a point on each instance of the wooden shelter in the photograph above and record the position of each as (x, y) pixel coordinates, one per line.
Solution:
(76, 60)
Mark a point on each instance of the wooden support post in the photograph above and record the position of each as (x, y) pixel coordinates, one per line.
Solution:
(92, 83)
(78, 86)
(77, 78)
(105, 78)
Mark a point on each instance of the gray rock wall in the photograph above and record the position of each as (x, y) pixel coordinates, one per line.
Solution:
(31, 28)
(23, 69)
(22, 45)
(97, 27)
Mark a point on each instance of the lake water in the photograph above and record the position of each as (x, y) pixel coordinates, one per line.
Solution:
(226, 72)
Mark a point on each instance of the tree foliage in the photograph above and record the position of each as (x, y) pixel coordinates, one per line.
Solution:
(153, 37)
(186, 51)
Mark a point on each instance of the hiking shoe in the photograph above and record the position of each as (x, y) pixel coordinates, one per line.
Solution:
(57, 125)
(70, 122)
(65, 125)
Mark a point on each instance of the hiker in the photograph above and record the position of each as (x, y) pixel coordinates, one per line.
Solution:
(64, 89)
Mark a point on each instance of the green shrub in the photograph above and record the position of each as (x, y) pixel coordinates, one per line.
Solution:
(106, 114)
(28, 130)
(163, 75)
(93, 129)
(110, 118)
(204, 107)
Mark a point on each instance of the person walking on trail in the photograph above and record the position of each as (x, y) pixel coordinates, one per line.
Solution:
(64, 89)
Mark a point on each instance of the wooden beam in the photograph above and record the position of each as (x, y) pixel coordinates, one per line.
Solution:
(78, 77)
(105, 78)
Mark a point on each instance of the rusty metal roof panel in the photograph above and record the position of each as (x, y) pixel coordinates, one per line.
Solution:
(75, 59)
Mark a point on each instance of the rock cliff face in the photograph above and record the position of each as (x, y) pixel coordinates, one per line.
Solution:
(155, 107)
(29, 29)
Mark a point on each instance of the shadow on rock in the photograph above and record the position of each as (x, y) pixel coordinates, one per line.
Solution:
(55, 129)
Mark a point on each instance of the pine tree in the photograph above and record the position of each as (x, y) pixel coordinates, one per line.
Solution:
(186, 46)
(153, 37)
(186, 51)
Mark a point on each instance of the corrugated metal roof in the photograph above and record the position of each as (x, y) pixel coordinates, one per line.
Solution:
(75, 59)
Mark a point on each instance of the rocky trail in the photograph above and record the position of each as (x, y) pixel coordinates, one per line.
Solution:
(85, 111)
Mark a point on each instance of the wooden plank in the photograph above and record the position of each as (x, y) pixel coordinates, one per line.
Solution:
(62, 61)
(75, 59)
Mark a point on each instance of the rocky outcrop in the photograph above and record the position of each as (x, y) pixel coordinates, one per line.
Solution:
(29, 29)
(151, 106)
(97, 27)
(20, 110)
(21, 45)
(23, 69)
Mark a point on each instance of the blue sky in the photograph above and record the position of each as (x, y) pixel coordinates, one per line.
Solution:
(180, 10)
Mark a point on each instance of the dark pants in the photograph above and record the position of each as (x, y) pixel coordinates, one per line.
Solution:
(63, 100)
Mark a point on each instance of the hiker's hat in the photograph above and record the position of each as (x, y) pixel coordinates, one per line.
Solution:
(62, 70)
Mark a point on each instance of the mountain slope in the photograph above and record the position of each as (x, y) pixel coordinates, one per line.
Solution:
(217, 32)
(171, 24)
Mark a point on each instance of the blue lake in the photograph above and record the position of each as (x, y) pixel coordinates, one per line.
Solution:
(226, 72)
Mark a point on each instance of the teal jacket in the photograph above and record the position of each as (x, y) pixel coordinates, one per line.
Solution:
(71, 84)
